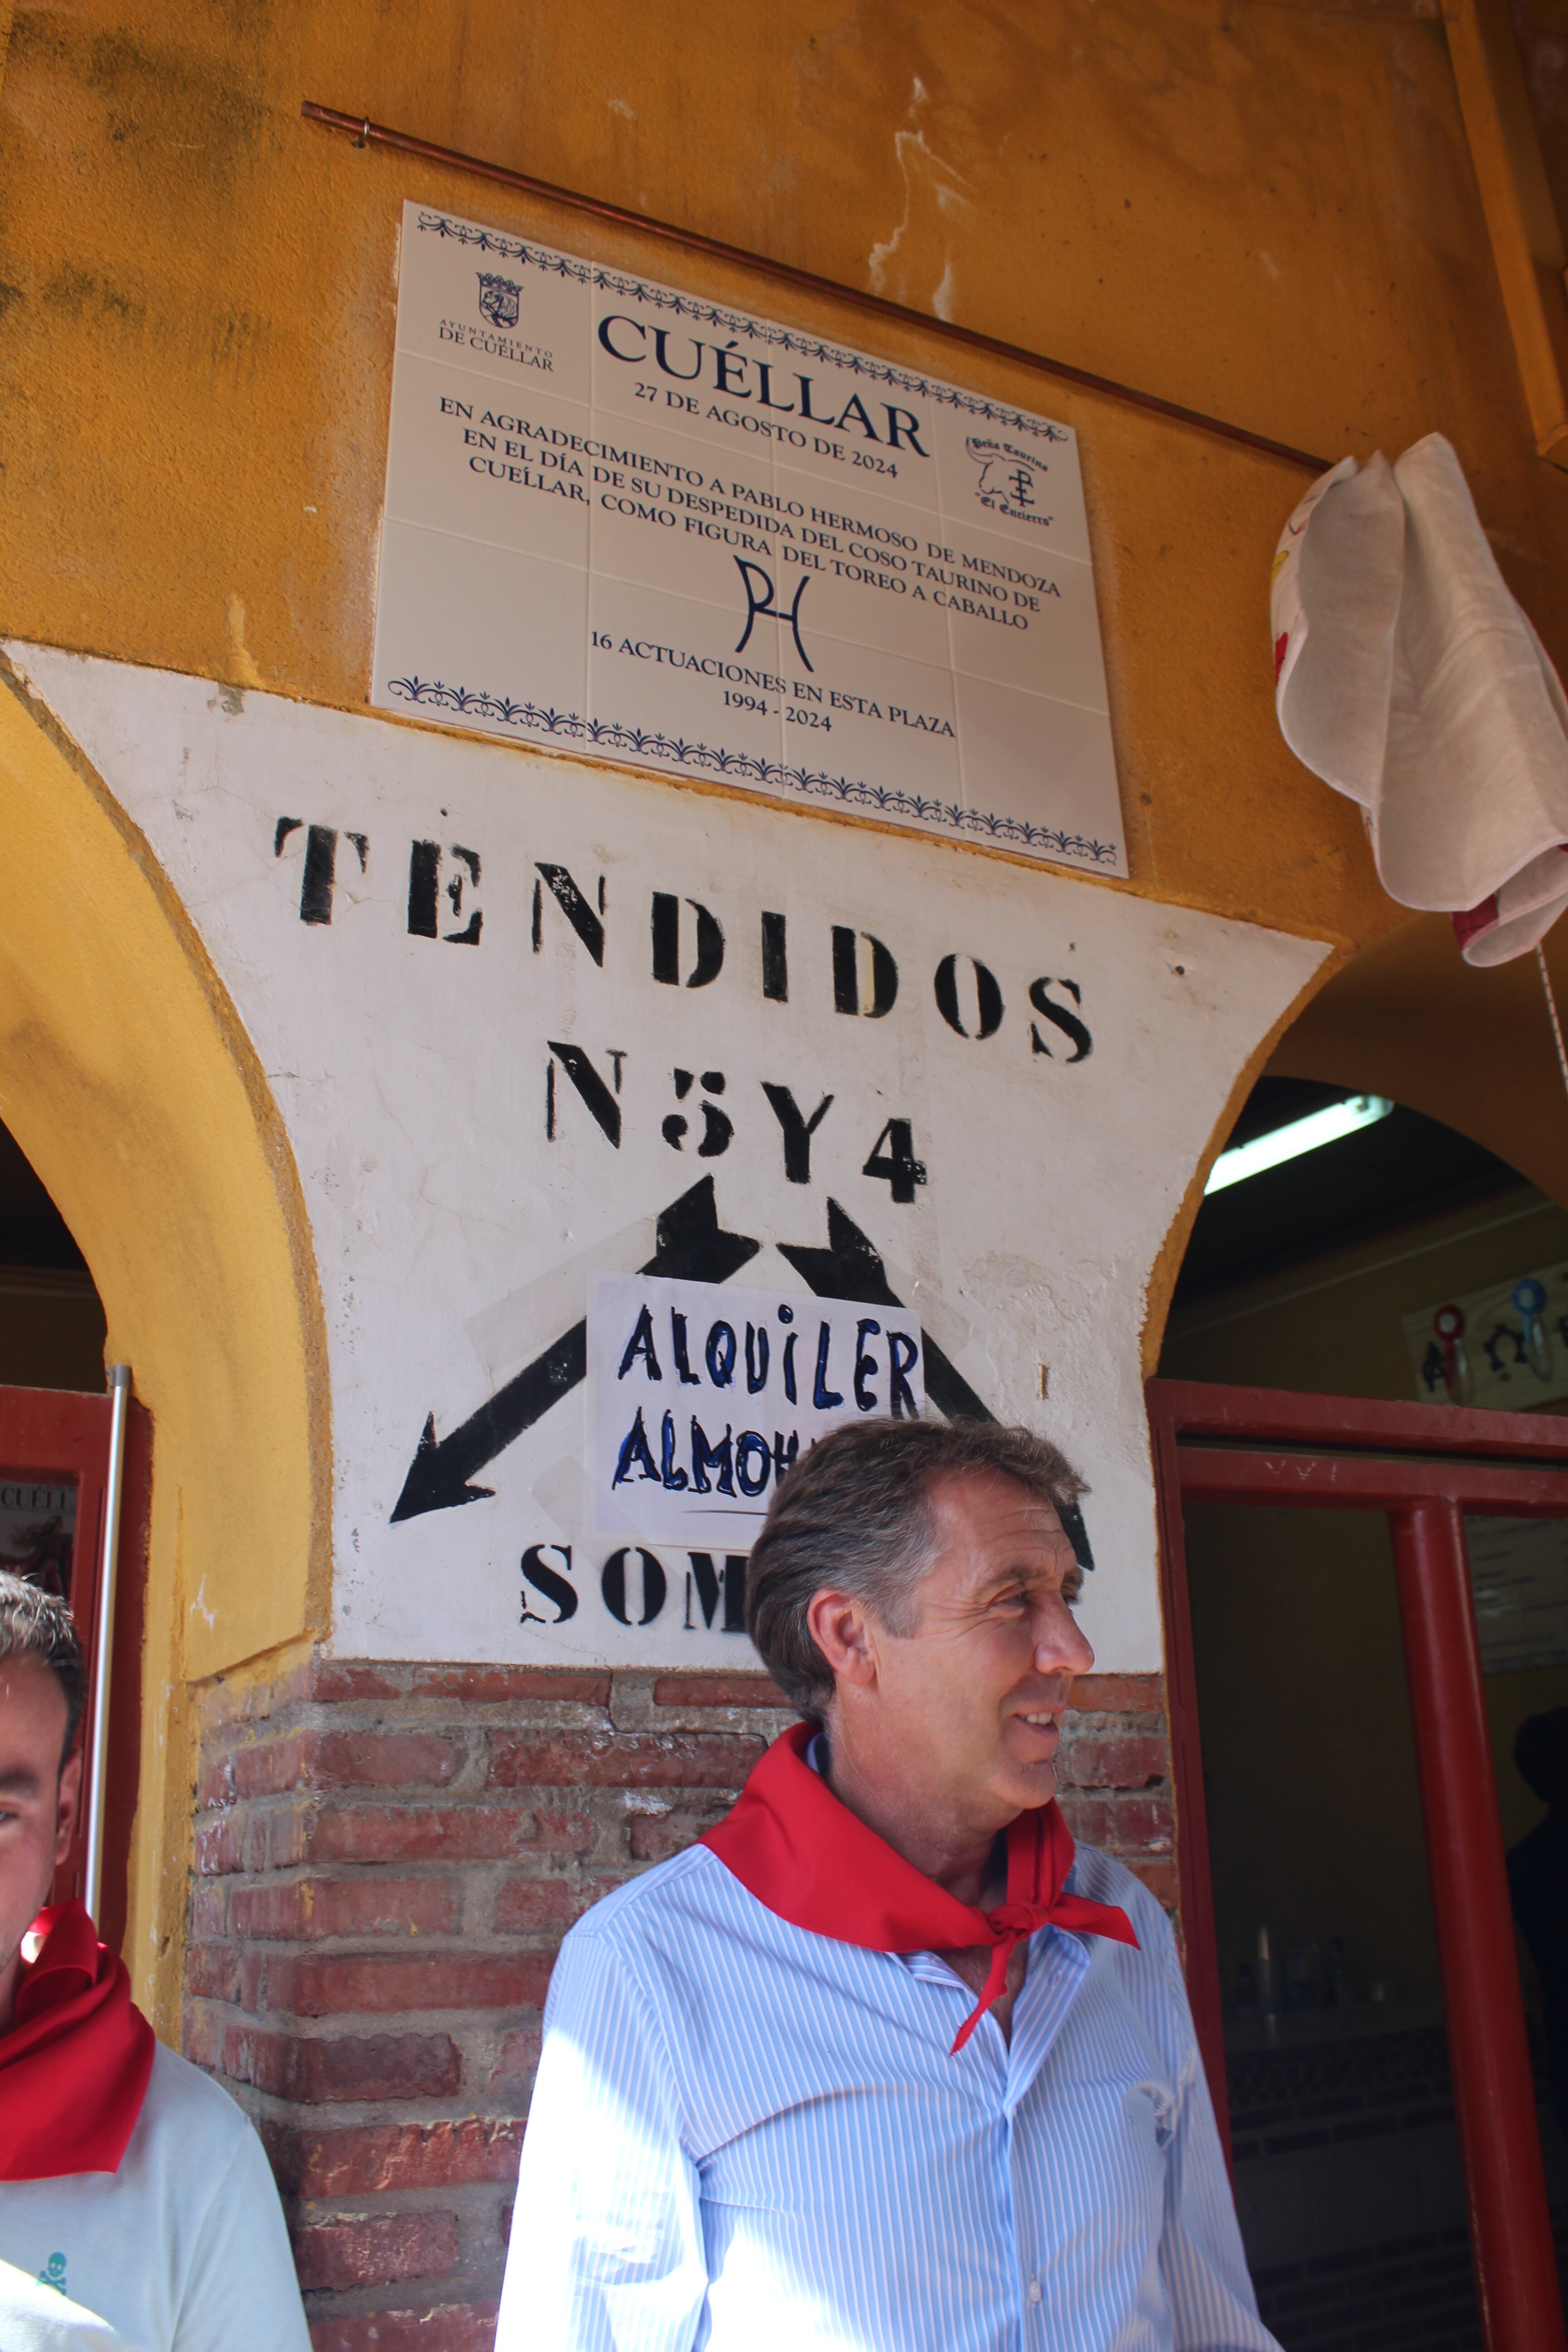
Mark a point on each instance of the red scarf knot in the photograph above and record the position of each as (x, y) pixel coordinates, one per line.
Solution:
(1013, 1919)
(793, 1846)
(76, 2064)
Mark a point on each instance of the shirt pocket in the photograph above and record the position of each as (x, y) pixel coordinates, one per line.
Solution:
(1114, 2081)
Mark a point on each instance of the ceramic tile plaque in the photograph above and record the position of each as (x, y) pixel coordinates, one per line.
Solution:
(625, 520)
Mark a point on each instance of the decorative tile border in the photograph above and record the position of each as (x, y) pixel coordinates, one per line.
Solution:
(738, 322)
(773, 775)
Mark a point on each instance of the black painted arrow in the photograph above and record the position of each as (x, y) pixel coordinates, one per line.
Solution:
(692, 1246)
(851, 1267)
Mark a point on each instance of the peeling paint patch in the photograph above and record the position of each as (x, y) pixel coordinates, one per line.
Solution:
(927, 176)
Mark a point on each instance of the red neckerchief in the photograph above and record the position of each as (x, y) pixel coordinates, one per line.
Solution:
(75, 2066)
(793, 1846)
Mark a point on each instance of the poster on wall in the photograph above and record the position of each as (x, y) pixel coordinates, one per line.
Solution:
(38, 1529)
(1519, 1573)
(1505, 1344)
(625, 520)
(645, 1133)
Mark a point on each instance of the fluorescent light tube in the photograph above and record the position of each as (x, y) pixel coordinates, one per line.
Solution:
(1308, 1134)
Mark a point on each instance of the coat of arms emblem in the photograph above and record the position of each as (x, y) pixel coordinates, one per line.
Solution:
(1012, 481)
(499, 298)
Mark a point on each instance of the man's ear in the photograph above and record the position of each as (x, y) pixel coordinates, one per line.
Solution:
(67, 1807)
(842, 1632)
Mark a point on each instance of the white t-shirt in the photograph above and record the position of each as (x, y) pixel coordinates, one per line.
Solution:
(183, 2249)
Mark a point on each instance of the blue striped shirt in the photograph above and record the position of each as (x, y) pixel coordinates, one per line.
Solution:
(752, 2138)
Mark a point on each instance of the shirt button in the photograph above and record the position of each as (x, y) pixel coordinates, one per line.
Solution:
(1034, 2290)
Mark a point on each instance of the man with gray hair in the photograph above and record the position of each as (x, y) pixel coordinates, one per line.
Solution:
(136, 2205)
(881, 2064)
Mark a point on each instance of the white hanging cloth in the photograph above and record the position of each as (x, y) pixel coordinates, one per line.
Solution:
(1408, 676)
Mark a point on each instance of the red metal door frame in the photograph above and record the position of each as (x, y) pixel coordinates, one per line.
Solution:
(1424, 1467)
(50, 1436)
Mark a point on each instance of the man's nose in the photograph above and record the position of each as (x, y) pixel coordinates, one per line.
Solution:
(1060, 1645)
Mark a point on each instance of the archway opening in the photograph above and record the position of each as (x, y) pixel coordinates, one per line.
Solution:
(1394, 1260)
(129, 1084)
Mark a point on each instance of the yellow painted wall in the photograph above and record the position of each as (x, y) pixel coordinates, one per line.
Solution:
(1266, 211)
(1409, 1019)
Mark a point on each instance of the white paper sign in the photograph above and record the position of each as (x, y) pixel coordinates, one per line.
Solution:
(1519, 1570)
(701, 1399)
(625, 520)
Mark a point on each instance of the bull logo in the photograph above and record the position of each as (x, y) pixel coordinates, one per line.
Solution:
(1012, 481)
(499, 298)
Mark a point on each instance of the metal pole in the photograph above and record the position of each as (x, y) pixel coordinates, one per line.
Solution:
(1551, 1011)
(1505, 2185)
(119, 1397)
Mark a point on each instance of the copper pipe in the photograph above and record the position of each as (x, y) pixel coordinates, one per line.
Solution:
(366, 133)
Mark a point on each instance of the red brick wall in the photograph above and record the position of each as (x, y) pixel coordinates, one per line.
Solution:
(386, 1858)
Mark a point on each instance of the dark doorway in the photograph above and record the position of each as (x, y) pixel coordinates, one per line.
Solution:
(1316, 1275)
(51, 1320)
